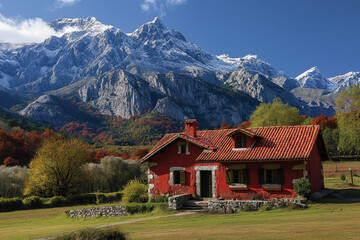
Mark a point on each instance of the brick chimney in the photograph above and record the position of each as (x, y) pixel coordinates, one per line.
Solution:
(190, 127)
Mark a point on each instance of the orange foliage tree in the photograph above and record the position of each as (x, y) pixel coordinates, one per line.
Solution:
(324, 122)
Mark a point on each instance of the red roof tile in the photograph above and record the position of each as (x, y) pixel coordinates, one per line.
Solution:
(273, 143)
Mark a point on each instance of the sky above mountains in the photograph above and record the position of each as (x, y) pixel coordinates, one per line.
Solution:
(292, 35)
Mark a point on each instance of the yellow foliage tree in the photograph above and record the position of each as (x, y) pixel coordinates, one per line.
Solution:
(57, 169)
(275, 114)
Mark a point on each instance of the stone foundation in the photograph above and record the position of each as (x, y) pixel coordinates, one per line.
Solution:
(114, 211)
(233, 206)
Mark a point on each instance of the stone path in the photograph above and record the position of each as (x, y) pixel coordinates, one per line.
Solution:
(127, 222)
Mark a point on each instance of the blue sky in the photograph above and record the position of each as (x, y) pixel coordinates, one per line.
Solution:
(291, 35)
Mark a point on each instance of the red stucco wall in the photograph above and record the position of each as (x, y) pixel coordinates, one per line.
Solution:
(315, 170)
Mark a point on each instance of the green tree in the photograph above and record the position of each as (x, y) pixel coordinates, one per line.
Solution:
(57, 169)
(111, 174)
(331, 138)
(348, 114)
(275, 114)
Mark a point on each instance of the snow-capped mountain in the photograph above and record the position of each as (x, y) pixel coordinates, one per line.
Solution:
(92, 48)
(313, 78)
(348, 79)
(156, 68)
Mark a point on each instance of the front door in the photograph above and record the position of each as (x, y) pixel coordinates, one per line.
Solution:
(205, 184)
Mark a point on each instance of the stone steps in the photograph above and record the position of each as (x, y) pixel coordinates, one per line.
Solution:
(194, 205)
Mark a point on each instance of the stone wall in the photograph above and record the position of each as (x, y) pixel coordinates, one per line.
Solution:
(176, 202)
(113, 211)
(233, 206)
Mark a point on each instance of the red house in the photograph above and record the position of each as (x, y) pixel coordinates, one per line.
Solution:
(236, 163)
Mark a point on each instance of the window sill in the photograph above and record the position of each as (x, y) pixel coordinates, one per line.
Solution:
(272, 187)
(240, 149)
(238, 186)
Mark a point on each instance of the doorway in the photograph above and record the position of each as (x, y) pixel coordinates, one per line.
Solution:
(205, 184)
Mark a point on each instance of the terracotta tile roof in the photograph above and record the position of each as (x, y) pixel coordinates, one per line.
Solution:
(275, 143)
(249, 132)
(169, 138)
(272, 143)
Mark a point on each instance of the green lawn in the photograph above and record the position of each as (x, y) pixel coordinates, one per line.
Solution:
(320, 221)
(29, 224)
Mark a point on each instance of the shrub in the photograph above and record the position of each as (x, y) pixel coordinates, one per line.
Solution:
(134, 208)
(112, 197)
(135, 191)
(303, 187)
(32, 202)
(258, 196)
(88, 198)
(343, 177)
(159, 199)
(111, 174)
(12, 181)
(100, 198)
(10, 204)
(94, 234)
(58, 201)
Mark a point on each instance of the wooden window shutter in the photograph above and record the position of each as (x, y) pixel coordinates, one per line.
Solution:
(261, 176)
(182, 177)
(228, 176)
(280, 175)
(246, 175)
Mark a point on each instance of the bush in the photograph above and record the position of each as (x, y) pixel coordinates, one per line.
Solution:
(112, 197)
(32, 202)
(12, 181)
(303, 187)
(135, 191)
(159, 199)
(343, 177)
(94, 234)
(88, 198)
(100, 198)
(111, 174)
(58, 201)
(134, 208)
(10, 204)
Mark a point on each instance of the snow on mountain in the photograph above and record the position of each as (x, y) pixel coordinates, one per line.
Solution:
(313, 78)
(252, 63)
(348, 79)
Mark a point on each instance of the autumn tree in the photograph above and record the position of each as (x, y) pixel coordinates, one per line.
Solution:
(245, 124)
(225, 125)
(348, 115)
(57, 169)
(324, 122)
(274, 114)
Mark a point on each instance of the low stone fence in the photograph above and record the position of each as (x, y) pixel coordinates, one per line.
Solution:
(113, 211)
(233, 206)
(176, 202)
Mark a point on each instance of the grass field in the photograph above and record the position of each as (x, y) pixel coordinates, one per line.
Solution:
(336, 220)
(320, 221)
(29, 224)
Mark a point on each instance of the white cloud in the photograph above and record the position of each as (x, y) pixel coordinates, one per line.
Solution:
(65, 3)
(148, 5)
(159, 5)
(175, 2)
(27, 31)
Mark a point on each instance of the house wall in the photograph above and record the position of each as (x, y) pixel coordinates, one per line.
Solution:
(159, 175)
(254, 187)
(315, 170)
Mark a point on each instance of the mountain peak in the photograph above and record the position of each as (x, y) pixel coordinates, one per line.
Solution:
(79, 24)
(313, 78)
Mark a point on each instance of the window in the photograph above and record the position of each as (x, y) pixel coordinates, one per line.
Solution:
(183, 147)
(240, 142)
(271, 176)
(234, 176)
(177, 177)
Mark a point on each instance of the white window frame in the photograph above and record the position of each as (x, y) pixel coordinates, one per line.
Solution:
(171, 177)
(182, 144)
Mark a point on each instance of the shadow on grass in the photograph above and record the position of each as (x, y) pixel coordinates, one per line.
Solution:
(341, 196)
